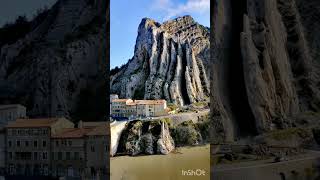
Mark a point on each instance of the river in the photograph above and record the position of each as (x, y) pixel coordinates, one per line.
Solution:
(164, 167)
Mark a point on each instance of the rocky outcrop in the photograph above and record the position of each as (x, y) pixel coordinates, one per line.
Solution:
(270, 64)
(116, 131)
(59, 62)
(165, 143)
(170, 61)
(151, 137)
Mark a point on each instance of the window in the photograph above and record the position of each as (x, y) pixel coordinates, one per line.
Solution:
(18, 143)
(59, 155)
(68, 156)
(35, 143)
(106, 148)
(35, 155)
(92, 149)
(46, 170)
(52, 155)
(10, 155)
(70, 143)
(76, 155)
(26, 143)
(44, 155)
(57, 143)
(9, 143)
(44, 143)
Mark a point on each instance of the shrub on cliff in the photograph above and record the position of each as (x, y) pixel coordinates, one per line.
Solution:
(186, 134)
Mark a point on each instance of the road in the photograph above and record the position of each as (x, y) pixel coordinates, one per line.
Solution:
(266, 169)
(181, 117)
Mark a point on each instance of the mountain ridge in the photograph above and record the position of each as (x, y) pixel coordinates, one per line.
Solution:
(54, 67)
(168, 57)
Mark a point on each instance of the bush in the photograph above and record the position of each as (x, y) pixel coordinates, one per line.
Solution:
(186, 134)
(172, 106)
(139, 93)
(204, 129)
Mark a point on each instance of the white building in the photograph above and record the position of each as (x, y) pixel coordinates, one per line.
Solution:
(112, 97)
(138, 108)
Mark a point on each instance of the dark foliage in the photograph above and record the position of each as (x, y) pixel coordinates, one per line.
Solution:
(10, 33)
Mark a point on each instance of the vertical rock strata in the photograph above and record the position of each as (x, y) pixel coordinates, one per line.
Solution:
(170, 61)
(51, 65)
(278, 71)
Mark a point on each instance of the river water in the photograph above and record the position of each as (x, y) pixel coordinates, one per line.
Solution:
(173, 166)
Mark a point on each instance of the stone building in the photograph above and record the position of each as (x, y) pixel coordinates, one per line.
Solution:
(28, 145)
(138, 108)
(112, 97)
(8, 113)
(68, 152)
(151, 108)
(11, 112)
(53, 147)
(2, 151)
(120, 107)
(97, 148)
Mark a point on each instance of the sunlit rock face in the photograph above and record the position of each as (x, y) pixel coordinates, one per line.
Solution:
(171, 61)
(272, 65)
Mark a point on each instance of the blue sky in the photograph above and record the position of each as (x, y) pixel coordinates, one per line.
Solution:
(125, 16)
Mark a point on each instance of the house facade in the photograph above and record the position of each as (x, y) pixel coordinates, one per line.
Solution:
(54, 147)
(28, 150)
(68, 152)
(8, 113)
(138, 108)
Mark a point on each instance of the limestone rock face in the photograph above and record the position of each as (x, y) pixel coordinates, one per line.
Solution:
(170, 61)
(165, 143)
(48, 68)
(276, 60)
(146, 138)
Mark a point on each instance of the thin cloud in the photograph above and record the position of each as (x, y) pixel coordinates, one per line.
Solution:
(175, 9)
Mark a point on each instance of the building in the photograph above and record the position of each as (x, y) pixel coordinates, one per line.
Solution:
(138, 108)
(53, 147)
(2, 151)
(8, 113)
(69, 152)
(112, 97)
(151, 108)
(120, 108)
(97, 149)
(28, 145)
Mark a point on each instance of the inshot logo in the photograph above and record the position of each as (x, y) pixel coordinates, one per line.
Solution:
(193, 172)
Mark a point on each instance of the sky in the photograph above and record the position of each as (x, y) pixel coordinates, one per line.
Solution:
(11, 9)
(126, 15)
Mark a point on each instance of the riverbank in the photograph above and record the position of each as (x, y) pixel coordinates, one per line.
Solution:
(164, 167)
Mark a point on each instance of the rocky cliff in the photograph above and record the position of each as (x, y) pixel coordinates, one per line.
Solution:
(265, 68)
(170, 61)
(146, 138)
(57, 68)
